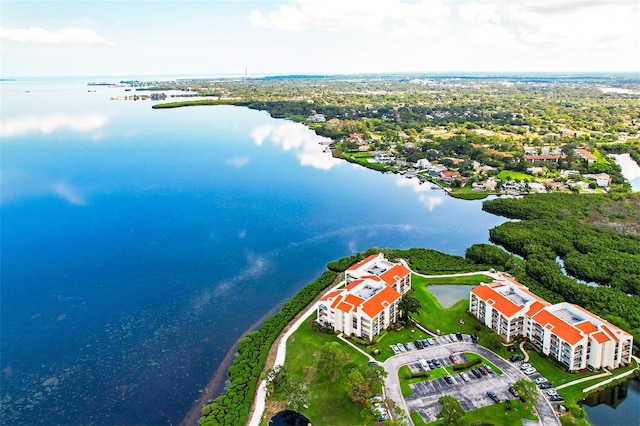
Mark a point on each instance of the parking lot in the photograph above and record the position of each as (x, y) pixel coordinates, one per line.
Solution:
(471, 394)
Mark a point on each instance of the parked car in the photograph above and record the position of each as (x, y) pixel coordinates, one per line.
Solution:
(540, 380)
(418, 344)
(453, 359)
(488, 368)
(431, 365)
(407, 347)
(524, 366)
(395, 349)
(459, 336)
(530, 371)
(476, 373)
(545, 385)
(515, 358)
(464, 376)
(493, 396)
(425, 342)
(401, 347)
(424, 364)
(552, 392)
(452, 337)
(437, 363)
(448, 379)
(556, 398)
(483, 370)
(513, 391)
(431, 341)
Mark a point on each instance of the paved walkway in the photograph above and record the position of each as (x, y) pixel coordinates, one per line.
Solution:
(341, 337)
(261, 393)
(585, 379)
(524, 351)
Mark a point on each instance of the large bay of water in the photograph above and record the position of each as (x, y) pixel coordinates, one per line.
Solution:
(137, 244)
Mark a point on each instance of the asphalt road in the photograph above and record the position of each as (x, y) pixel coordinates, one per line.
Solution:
(471, 395)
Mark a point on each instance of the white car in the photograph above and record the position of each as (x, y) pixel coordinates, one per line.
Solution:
(401, 347)
(394, 348)
(524, 366)
(530, 371)
(552, 392)
(540, 380)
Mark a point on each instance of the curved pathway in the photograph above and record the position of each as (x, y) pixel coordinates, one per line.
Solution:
(544, 409)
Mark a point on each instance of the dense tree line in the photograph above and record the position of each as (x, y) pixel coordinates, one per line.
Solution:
(578, 229)
(232, 408)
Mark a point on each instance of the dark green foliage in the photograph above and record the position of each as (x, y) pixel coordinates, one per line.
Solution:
(426, 261)
(487, 254)
(577, 229)
(233, 407)
(466, 365)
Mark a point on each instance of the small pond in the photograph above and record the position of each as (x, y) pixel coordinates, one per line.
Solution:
(618, 405)
(449, 294)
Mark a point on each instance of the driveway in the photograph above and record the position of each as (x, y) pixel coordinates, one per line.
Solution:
(471, 395)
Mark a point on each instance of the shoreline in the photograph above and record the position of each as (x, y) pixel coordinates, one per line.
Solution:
(216, 382)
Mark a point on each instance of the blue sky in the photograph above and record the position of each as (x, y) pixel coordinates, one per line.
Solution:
(219, 37)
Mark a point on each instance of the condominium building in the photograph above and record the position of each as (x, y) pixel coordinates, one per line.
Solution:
(368, 303)
(567, 332)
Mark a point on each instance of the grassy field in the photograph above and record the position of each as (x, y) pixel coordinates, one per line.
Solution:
(512, 175)
(330, 403)
(496, 415)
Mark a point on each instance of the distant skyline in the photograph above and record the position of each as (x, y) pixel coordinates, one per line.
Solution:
(218, 37)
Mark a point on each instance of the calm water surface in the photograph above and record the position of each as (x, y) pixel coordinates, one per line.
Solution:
(450, 294)
(619, 405)
(137, 244)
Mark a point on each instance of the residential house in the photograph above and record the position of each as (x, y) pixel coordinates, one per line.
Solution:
(586, 155)
(368, 303)
(603, 180)
(382, 158)
(567, 332)
(448, 176)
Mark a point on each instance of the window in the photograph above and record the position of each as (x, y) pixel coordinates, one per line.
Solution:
(355, 322)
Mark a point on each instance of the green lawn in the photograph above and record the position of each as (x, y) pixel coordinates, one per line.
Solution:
(552, 371)
(510, 174)
(494, 414)
(330, 403)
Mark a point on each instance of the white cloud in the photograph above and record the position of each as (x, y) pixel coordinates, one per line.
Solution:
(333, 15)
(50, 123)
(426, 196)
(557, 24)
(237, 162)
(40, 35)
(296, 137)
(20, 185)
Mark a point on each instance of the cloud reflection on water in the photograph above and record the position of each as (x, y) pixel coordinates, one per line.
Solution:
(18, 185)
(47, 124)
(428, 197)
(296, 137)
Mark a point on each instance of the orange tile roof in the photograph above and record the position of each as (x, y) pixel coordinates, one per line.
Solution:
(600, 337)
(345, 307)
(505, 306)
(394, 274)
(330, 295)
(354, 300)
(563, 330)
(379, 301)
(586, 327)
(336, 302)
(362, 262)
(609, 332)
(535, 308)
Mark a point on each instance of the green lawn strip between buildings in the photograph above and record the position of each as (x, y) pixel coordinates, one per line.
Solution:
(553, 371)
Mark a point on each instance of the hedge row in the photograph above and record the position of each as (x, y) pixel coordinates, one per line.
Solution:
(466, 365)
(232, 408)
